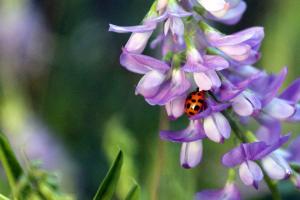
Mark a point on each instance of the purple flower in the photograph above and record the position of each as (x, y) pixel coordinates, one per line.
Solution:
(140, 34)
(217, 127)
(175, 108)
(233, 14)
(191, 154)
(160, 83)
(292, 95)
(244, 101)
(172, 17)
(229, 192)
(191, 139)
(204, 68)
(245, 155)
(217, 8)
(197, 63)
(269, 130)
(209, 123)
(241, 47)
(276, 166)
(280, 107)
(193, 132)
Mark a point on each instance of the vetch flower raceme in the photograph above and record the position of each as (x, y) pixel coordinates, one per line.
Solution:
(209, 77)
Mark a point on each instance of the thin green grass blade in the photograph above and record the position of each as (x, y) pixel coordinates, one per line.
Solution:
(108, 185)
(9, 161)
(2, 197)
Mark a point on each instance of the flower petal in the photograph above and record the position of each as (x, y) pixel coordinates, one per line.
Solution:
(192, 133)
(296, 116)
(213, 5)
(229, 192)
(217, 8)
(217, 127)
(141, 64)
(276, 167)
(273, 83)
(230, 90)
(175, 86)
(244, 152)
(215, 62)
(137, 42)
(251, 36)
(292, 93)
(237, 52)
(270, 148)
(246, 103)
(250, 173)
(270, 129)
(136, 29)
(175, 108)
(279, 109)
(150, 84)
(191, 154)
(203, 81)
(177, 26)
(232, 16)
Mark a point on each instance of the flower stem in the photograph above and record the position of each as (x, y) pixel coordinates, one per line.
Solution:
(159, 160)
(245, 137)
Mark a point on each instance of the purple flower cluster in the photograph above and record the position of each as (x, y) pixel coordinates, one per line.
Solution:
(197, 57)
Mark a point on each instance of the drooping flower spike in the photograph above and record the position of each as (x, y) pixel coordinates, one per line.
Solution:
(208, 77)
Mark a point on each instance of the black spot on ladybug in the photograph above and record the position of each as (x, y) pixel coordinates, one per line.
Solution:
(193, 100)
(200, 100)
(191, 113)
(188, 105)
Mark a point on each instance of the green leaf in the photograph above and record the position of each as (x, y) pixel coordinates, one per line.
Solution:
(108, 185)
(2, 197)
(9, 161)
(134, 193)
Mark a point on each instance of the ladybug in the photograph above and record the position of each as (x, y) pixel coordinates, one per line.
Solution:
(195, 103)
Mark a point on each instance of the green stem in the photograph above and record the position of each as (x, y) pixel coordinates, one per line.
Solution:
(159, 161)
(231, 175)
(272, 187)
(246, 137)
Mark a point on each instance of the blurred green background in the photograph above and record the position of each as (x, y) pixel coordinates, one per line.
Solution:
(65, 100)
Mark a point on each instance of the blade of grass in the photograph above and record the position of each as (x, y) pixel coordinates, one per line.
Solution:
(2, 197)
(10, 163)
(108, 185)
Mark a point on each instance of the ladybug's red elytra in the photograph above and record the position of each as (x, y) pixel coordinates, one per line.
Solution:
(195, 103)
